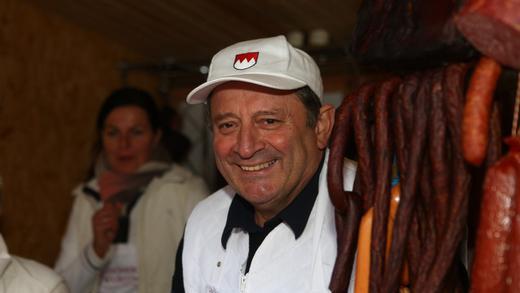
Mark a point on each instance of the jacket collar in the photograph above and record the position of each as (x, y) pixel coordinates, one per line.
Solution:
(295, 215)
(5, 258)
(152, 166)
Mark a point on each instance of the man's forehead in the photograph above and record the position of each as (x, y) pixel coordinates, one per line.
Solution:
(250, 99)
(226, 104)
(250, 87)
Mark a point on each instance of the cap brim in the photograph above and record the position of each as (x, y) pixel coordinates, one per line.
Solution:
(281, 82)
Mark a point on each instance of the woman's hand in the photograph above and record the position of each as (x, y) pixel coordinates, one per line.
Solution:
(105, 224)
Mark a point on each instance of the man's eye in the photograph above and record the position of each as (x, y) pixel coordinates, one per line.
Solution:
(225, 125)
(270, 121)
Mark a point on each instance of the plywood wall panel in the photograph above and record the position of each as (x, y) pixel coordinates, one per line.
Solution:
(53, 76)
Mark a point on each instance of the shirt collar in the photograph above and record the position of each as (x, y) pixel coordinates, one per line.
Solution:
(241, 213)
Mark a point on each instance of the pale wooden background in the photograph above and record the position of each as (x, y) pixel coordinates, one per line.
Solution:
(53, 76)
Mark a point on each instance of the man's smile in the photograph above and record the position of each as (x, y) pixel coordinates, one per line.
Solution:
(258, 167)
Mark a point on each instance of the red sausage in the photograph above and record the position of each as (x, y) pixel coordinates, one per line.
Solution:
(475, 124)
(493, 236)
(512, 278)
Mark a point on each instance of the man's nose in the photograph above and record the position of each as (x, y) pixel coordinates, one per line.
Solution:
(248, 142)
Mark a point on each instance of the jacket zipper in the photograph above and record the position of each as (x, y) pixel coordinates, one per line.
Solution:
(243, 283)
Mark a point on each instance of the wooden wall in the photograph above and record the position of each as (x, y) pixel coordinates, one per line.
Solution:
(53, 76)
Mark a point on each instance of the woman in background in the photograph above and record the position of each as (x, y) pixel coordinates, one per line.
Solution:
(127, 220)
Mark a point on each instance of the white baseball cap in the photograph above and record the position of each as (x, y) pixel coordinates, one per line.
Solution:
(270, 62)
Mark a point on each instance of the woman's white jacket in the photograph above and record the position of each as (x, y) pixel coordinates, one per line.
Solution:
(158, 220)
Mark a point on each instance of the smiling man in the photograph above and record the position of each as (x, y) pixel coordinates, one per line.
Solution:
(272, 229)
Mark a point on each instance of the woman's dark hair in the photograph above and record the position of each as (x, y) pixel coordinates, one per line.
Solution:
(125, 96)
(129, 96)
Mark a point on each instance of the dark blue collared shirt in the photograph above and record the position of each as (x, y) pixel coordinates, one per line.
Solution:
(241, 215)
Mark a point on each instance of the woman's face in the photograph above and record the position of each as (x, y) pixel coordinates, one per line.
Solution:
(128, 139)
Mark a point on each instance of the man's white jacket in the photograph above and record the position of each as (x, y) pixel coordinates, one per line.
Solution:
(281, 263)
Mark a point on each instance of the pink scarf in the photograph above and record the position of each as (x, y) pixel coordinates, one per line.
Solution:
(117, 187)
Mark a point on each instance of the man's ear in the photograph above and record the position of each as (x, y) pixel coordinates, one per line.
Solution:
(324, 125)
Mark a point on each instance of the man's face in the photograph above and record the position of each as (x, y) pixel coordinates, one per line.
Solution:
(263, 146)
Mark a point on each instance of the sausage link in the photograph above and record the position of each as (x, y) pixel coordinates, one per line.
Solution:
(416, 235)
(383, 164)
(437, 151)
(408, 192)
(421, 248)
(479, 96)
(347, 240)
(433, 202)
(408, 93)
(458, 208)
(348, 204)
(402, 112)
(490, 262)
(512, 278)
(363, 139)
(402, 109)
(341, 133)
(513, 273)
(399, 136)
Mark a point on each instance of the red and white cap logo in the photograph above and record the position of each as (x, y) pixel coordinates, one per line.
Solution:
(245, 60)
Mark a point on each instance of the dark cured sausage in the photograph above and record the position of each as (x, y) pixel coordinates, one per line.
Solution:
(407, 94)
(347, 239)
(458, 208)
(437, 151)
(338, 145)
(425, 210)
(363, 139)
(408, 192)
(402, 113)
(348, 205)
(475, 124)
(432, 202)
(402, 102)
(420, 245)
(399, 134)
(383, 164)
(436, 199)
